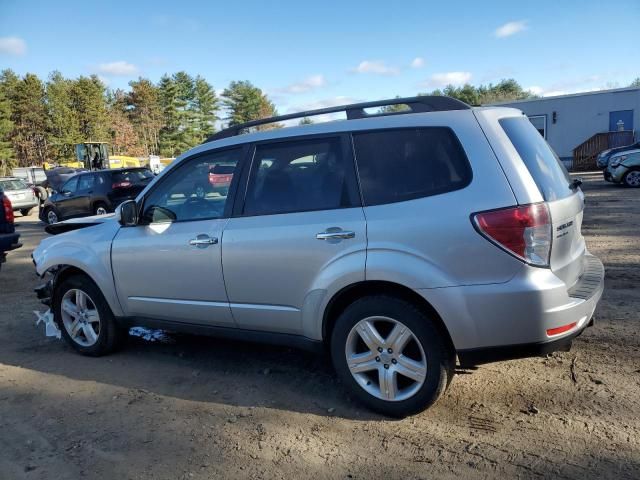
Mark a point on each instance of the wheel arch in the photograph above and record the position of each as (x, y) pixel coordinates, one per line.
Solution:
(350, 293)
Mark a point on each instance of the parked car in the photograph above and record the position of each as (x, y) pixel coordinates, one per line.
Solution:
(603, 158)
(399, 242)
(220, 178)
(624, 167)
(94, 193)
(22, 196)
(9, 239)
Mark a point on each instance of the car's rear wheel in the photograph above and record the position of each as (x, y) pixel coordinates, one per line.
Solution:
(391, 355)
(632, 178)
(100, 209)
(84, 317)
(25, 212)
(50, 216)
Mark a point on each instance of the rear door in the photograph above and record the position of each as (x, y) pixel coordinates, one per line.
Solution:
(301, 224)
(566, 203)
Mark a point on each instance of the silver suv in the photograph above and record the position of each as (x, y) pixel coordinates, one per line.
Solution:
(399, 242)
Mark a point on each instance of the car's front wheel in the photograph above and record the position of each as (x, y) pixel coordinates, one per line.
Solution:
(632, 178)
(391, 355)
(84, 317)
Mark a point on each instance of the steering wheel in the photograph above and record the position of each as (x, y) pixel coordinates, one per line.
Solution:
(196, 207)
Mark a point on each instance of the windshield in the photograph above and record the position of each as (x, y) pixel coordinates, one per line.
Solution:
(12, 184)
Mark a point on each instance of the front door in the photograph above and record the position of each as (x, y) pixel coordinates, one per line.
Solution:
(83, 194)
(65, 199)
(170, 267)
(621, 120)
(301, 225)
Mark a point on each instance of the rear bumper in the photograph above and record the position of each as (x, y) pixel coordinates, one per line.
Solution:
(9, 241)
(24, 203)
(517, 318)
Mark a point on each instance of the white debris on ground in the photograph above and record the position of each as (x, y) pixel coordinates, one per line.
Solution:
(51, 329)
(151, 335)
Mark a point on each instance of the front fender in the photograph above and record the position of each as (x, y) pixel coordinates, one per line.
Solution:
(88, 250)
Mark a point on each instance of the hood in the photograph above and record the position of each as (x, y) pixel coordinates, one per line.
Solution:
(77, 223)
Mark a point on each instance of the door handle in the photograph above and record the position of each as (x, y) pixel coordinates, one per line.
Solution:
(335, 234)
(203, 241)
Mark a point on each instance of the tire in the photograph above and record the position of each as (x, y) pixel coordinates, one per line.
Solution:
(50, 216)
(426, 342)
(632, 178)
(100, 209)
(109, 336)
(25, 212)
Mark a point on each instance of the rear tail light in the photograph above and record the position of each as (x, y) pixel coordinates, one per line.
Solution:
(523, 231)
(8, 209)
(120, 185)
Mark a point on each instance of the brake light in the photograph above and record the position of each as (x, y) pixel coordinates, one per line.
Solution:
(524, 231)
(124, 184)
(8, 209)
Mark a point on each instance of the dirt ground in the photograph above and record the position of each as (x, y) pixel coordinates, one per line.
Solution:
(205, 408)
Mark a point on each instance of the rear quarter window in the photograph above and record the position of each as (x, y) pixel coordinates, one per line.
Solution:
(405, 164)
(545, 167)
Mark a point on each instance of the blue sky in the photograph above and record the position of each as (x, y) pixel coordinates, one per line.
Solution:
(315, 54)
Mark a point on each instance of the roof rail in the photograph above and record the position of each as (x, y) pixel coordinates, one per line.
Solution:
(430, 103)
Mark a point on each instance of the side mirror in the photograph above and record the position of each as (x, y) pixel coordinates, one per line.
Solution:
(127, 213)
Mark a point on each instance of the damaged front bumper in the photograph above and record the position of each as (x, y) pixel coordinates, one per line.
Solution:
(44, 292)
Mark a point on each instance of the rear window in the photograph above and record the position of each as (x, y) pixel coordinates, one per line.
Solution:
(12, 184)
(545, 167)
(404, 164)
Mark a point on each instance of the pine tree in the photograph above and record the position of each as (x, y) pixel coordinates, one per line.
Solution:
(7, 155)
(64, 129)
(145, 112)
(245, 102)
(168, 95)
(89, 103)
(205, 107)
(29, 115)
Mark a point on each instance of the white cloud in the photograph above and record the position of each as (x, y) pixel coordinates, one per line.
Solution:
(535, 89)
(13, 46)
(417, 62)
(312, 82)
(120, 68)
(438, 80)
(377, 67)
(510, 28)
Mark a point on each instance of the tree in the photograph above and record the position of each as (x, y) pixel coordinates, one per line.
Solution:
(144, 109)
(305, 121)
(88, 100)
(30, 119)
(124, 138)
(205, 108)
(245, 102)
(8, 79)
(64, 129)
(504, 91)
(635, 83)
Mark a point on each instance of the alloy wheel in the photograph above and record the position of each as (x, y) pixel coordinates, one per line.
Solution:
(80, 317)
(386, 358)
(52, 217)
(633, 178)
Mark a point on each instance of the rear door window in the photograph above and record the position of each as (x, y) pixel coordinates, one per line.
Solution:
(301, 176)
(405, 164)
(545, 167)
